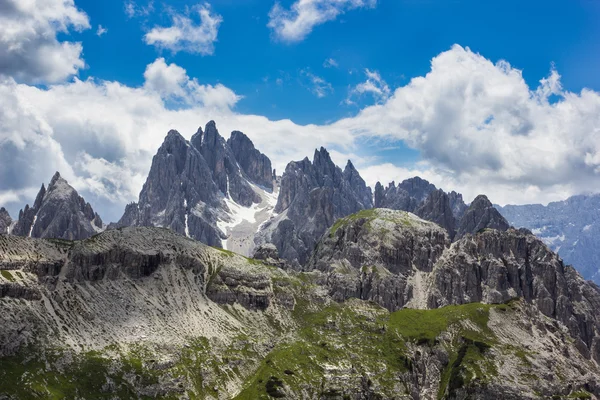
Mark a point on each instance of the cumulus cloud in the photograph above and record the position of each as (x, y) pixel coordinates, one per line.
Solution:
(295, 24)
(317, 85)
(477, 125)
(171, 82)
(374, 85)
(185, 35)
(29, 48)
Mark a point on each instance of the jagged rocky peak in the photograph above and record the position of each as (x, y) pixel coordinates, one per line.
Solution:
(5, 221)
(255, 164)
(437, 208)
(313, 195)
(480, 215)
(457, 204)
(407, 196)
(195, 187)
(58, 212)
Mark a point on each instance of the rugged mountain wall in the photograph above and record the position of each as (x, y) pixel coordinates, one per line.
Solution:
(406, 196)
(568, 227)
(147, 313)
(5, 221)
(58, 212)
(196, 188)
(313, 195)
(397, 259)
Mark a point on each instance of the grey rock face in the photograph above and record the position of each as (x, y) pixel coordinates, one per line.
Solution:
(313, 195)
(570, 227)
(5, 221)
(418, 196)
(480, 215)
(58, 212)
(397, 259)
(188, 181)
(372, 254)
(254, 163)
(436, 208)
(495, 266)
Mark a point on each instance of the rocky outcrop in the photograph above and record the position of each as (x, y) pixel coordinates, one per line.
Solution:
(254, 163)
(313, 195)
(437, 208)
(193, 186)
(58, 212)
(480, 215)
(268, 254)
(5, 221)
(495, 266)
(457, 204)
(373, 254)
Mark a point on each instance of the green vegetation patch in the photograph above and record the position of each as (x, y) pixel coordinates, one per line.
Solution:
(7, 275)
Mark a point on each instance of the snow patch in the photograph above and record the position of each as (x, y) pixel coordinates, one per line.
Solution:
(187, 228)
(32, 225)
(553, 239)
(587, 228)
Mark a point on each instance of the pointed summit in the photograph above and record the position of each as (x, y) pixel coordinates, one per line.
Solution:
(58, 212)
(255, 164)
(480, 215)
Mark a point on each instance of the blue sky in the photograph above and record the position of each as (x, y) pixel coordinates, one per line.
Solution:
(476, 96)
(398, 38)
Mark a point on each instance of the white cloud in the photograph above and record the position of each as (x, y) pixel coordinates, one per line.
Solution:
(133, 9)
(317, 85)
(29, 48)
(330, 63)
(185, 35)
(101, 30)
(374, 85)
(478, 127)
(171, 82)
(295, 24)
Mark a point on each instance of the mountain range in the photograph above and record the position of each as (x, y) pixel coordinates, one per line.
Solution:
(401, 292)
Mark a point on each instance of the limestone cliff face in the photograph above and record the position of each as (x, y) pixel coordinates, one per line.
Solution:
(313, 195)
(397, 259)
(58, 212)
(372, 254)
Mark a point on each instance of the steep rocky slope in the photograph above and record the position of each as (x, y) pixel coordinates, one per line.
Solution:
(206, 189)
(313, 195)
(147, 313)
(58, 212)
(568, 227)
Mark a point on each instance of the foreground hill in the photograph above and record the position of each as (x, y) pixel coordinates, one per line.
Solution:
(147, 313)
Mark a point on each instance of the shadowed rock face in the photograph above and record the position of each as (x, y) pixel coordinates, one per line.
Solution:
(313, 195)
(405, 197)
(481, 214)
(58, 212)
(436, 208)
(187, 182)
(5, 220)
(255, 164)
